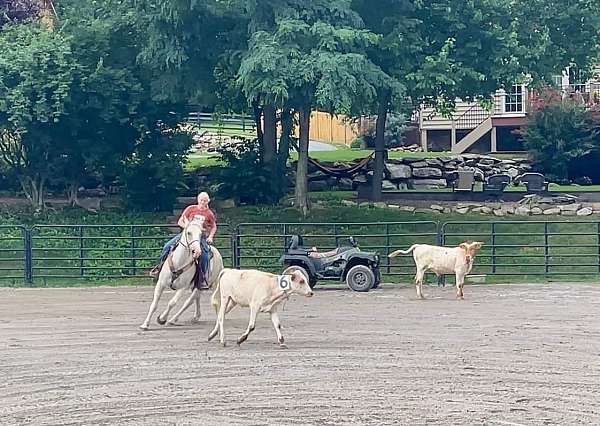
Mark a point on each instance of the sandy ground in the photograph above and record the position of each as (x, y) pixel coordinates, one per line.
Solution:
(506, 355)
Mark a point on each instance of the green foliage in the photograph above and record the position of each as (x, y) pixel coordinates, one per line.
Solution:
(153, 174)
(245, 178)
(18, 11)
(558, 134)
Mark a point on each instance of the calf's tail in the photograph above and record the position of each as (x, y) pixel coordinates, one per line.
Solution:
(399, 252)
(215, 299)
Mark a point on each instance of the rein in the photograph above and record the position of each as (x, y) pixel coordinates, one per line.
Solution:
(176, 273)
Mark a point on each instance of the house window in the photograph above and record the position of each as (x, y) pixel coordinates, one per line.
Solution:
(514, 99)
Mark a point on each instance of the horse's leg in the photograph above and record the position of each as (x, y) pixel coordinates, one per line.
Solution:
(185, 305)
(158, 290)
(162, 318)
(197, 310)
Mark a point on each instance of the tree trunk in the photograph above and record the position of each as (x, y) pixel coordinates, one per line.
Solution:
(256, 109)
(72, 190)
(301, 194)
(33, 187)
(287, 123)
(384, 101)
(269, 134)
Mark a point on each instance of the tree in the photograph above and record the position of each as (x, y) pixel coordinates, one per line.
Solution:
(314, 57)
(441, 50)
(36, 72)
(15, 11)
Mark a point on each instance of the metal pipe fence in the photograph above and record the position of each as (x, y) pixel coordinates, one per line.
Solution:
(44, 253)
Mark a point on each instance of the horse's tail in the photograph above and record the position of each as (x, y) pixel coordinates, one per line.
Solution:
(215, 299)
(399, 252)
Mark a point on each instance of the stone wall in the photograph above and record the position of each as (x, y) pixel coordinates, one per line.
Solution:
(420, 173)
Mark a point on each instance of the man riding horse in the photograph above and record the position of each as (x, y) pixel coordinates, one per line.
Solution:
(210, 228)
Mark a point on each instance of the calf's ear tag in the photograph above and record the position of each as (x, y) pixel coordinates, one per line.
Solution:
(284, 282)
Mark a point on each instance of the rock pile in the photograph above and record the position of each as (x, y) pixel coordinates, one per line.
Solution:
(420, 173)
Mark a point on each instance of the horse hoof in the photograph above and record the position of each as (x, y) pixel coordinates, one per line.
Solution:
(224, 344)
(160, 321)
(195, 321)
(144, 327)
(172, 323)
(283, 346)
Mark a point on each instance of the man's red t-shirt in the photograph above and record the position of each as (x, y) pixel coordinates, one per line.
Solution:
(209, 216)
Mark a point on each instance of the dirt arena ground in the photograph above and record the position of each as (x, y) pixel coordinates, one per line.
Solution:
(506, 355)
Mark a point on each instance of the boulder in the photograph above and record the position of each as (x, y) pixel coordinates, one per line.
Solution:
(398, 171)
(345, 184)
(318, 185)
(386, 185)
(429, 183)
(586, 211)
(427, 172)
(551, 211)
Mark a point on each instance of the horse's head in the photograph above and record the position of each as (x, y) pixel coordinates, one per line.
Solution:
(192, 233)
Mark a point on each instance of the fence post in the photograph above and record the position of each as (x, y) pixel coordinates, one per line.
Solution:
(133, 262)
(598, 242)
(493, 247)
(81, 254)
(387, 247)
(441, 240)
(236, 247)
(28, 256)
(546, 249)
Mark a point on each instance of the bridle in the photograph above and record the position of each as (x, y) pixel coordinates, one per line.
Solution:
(176, 273)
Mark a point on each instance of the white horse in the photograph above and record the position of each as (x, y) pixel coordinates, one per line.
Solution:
(178, 272)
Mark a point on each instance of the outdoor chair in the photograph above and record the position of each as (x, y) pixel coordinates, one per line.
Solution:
(534, 182)
(464, 182)
(495, 184)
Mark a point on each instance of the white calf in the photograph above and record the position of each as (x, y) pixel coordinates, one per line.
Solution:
(261, 291)
(442, 260)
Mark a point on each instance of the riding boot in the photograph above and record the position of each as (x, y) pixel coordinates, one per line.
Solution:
(155, 271)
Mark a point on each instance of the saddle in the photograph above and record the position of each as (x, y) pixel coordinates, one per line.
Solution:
(200, 279)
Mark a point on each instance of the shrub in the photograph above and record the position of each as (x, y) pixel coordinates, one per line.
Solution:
(395, 127)
(153, 175)
(558, 134)
(245, 178)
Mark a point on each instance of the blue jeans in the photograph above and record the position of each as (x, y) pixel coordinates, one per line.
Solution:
(203, 245)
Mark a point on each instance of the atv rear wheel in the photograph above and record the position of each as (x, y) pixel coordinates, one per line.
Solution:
(360, 278)
(290, 269)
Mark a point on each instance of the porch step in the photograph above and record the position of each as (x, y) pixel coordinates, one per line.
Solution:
(472, 138)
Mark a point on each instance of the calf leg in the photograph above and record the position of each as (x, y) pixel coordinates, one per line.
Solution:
(277, 326)
(219, 325)
(186, 304)
(251, 324)
(419, 282)
(460, 282)
(158, 290)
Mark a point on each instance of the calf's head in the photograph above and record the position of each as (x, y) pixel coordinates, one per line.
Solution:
(470, 248)
(299, 284)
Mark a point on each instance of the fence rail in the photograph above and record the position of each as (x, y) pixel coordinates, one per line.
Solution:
(44, 253)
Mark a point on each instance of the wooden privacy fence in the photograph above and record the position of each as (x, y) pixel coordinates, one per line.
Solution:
(325, 127)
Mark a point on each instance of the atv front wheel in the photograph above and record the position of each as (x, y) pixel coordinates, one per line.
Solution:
(290, 269)
(360, 278)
